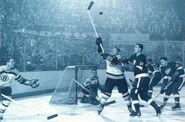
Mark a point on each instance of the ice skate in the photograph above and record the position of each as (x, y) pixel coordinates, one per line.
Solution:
(176, 107)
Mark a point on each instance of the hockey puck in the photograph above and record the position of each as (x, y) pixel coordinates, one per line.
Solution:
(100, 13)
(52, 116)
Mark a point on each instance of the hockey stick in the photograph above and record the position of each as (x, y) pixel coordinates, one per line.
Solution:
(88, 11)
(13, 101)
(81, 85)
(85, 88)
(22, 106)
(92, 23)
(105, 104)
(157, 95)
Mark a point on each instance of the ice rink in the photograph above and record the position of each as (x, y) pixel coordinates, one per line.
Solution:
(37, 109)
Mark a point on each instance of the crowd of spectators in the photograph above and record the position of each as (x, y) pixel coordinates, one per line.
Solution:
(160, 19)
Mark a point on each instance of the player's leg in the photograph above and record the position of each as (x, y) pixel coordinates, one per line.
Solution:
(156, 77)
(176, 95)
(167, 94)
(123, 88)
(85, 97)
(177, 102)
(5, 102)
(93, 91)
(144, 96)
(134, 95)
(109, 85)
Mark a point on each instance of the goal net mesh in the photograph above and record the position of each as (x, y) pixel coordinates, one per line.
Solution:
(67, 91)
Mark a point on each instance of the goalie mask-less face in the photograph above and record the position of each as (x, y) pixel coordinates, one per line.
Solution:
(10, 64)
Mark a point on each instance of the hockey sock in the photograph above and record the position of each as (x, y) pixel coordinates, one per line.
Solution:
(128, 102)
(4, 105)
(156, 107)
(166, 97)
(177, 98)
(137, 107)
(104, 98)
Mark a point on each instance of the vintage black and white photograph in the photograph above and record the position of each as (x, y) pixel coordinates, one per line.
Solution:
(92, 60)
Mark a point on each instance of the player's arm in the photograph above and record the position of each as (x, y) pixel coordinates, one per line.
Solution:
(100, 50)
(165, 83)
(175, 76)
(99, 43)
(140, 64)
(30, 82)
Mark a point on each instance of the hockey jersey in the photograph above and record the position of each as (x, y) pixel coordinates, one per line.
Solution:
(168, 70)
(177, 74)
(114, 68)
(6, 77)
(140, 64)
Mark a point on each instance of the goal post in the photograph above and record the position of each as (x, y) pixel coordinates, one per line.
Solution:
(67, 91)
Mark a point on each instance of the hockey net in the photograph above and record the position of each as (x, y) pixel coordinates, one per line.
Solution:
(67, 91)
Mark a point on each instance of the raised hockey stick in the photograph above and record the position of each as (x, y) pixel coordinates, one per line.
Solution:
(92, 23)
(105, 104)
(22, 106)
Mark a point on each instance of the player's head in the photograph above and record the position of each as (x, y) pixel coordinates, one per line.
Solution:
(138, 48)
(10, 62)
(94, 72)
(150, 61)
(164, 61)
(115, 51)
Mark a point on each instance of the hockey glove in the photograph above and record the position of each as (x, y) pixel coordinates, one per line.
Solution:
(104, 55)
(98, 41)
(99, 49)
(33, 83)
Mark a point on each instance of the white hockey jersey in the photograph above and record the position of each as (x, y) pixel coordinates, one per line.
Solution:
(6, 77)
(114, 71)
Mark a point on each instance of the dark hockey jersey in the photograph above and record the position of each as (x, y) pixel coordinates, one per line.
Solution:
(150, 68)
(168, 70)
(140, 64)
(177, 74)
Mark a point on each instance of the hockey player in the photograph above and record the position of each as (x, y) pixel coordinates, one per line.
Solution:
(155, 78)
(140, 85)
(92, 85)
(150, 66)
(174, 84)
(8, 73)
(167, 70)
(115, 76)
